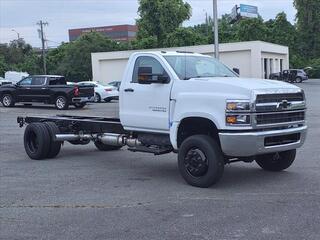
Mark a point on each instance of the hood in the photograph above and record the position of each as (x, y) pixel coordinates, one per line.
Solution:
(249, 83)
(10, 85)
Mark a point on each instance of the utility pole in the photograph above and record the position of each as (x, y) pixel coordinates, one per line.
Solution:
(215, 29)
(43, 40)
(207, 24)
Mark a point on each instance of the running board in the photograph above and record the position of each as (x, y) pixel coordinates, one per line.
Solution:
(155, 151)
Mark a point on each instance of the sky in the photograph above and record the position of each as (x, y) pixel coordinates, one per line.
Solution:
(23, 15)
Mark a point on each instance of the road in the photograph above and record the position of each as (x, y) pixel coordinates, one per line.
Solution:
(87, 194)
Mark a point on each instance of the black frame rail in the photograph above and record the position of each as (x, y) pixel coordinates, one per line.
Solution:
(75, 124)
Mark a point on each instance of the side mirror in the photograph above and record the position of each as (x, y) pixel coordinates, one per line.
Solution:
(145, 76)
(236, 70)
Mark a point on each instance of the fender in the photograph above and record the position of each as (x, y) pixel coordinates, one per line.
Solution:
(174, 126)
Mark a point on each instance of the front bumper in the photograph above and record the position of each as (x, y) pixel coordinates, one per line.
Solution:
(82, 99)
(245, 144)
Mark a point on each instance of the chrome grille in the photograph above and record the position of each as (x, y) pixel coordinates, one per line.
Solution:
(279, 109)
(285, 117)
(274, 98)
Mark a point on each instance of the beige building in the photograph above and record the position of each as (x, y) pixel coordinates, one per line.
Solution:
(255, 59)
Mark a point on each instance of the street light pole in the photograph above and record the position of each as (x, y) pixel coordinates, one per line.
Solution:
(16, 33)
(215, 28)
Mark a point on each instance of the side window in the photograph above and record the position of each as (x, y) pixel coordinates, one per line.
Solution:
(57, 81)
(25, 82)
(38, 81)
(157, 68)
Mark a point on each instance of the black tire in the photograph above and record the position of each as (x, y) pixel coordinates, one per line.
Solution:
(276, 162)
(7, 100)
(97, 98)
(36, 141)
(79, 105)
(200, 161)
(61, 103)
(55, 146)
(298, 80)
(104, 147)
(107, 100)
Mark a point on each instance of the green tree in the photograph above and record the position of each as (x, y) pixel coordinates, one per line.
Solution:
(73, 60)
(281, 31)
(184, 37)
(308, 25)
(251, 29)
(3, 66)
(157, 18)
(19, 56)
(227, 31)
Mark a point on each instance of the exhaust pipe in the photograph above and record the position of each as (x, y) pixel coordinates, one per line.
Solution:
(112, 139)
(106, 138)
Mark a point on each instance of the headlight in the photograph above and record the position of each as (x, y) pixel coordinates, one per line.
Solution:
(238, 119)
(237, 105)
(238, 112)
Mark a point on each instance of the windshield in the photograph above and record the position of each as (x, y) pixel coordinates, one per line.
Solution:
(187, 67)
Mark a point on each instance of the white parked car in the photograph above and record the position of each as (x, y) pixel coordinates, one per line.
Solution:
(103, 91)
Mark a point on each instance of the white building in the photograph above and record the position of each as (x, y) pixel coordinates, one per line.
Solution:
(254, 59)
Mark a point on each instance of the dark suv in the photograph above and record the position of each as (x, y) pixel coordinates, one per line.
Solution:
(291, 75)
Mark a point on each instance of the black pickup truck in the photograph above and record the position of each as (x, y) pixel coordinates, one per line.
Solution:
(50, 89)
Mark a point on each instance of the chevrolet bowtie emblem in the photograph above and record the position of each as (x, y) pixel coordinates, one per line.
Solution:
(284, 104)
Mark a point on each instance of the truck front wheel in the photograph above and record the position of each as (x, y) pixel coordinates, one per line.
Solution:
(7, 100)
(200, 161)
(276, 162)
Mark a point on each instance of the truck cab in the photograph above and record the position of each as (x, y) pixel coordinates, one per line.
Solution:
(160, 91)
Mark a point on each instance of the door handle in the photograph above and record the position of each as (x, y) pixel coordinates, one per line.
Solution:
(43, 88)
(28, 88)
(129, 90)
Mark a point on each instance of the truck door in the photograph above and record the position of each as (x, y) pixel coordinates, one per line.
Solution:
(146, 106)
(39, 89)
(24, 90)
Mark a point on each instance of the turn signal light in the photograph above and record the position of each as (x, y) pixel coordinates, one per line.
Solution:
(231, 119)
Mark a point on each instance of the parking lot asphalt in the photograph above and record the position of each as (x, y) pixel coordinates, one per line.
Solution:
(87, 194)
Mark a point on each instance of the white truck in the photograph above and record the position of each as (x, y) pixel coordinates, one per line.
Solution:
(192, 105)
(14, 77)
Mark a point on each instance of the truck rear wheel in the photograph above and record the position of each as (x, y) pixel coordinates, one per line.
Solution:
(37, 141)
(200, 161)
(55, 146)
(7, 100)
(104, 147)
(276, 162)
(61, 103)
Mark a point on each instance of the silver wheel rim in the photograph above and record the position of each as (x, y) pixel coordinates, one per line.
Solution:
(6, 100)
(60, 103)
